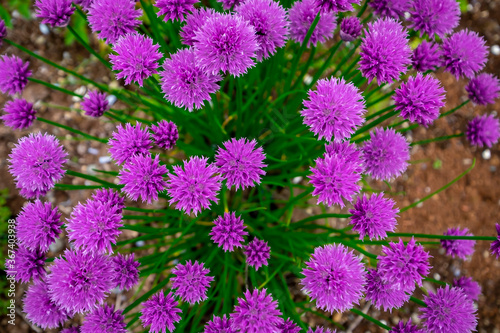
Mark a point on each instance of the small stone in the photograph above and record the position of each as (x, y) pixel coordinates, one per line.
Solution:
(93, 151)
(104, 159)
(495, 49)
(486, 154)
(467, 161)
(111, 99)
(44, 29)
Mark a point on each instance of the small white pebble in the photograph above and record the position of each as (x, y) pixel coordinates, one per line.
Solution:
(486, 154)
(104, 159)
(427, 189)
(297, 180)
(307, 79)
(111, 99)
(93, 151)
(467, 161)
(437, 276)
(140, 243)
(495, 49)
(407, 15)
(44, 29)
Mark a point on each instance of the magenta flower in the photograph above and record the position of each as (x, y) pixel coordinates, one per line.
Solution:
(174, 9)
(218, 325)
(165, 134)
(464, 53)
(79, 281)
(40, 310)
(225, 43)
(85, 4)
(228, 4)
(104, 319)
(495, 245)
(483, 131)
(55, 13)
(14, 74)
(95, 104)
(382, 294)
(257, 312)
(129, 141)
(29, 264)
(449, 311)
(3, 31)
(390, 8)
(126, 272)
(36, 163)
(435, 17)
(38, 225)
(194, 187)
(228, 231)
(112, 19)
(385, 53)
(471, 288)
(427, 56)
(458, 247)
(240, 163)
(184, 83)
(288, 326)
(191, 281)
(161, 312)
(483, 89)
(301, 17)
(19, 114)
(350, 28)
(108, 195)
(334, 278)
(401, 327)
(336, 5)
(347, 151)
(194, 22)
(257, 253)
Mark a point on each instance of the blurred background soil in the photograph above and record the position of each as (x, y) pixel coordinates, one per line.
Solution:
(473, 202)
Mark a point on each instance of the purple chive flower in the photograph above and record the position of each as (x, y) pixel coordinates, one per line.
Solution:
(464, 53)
(19, 114)
(391, 8)
(136, 59)
(184, 83)
(458, 247)
(85, 4)
(448, 311)
(257, 253)
(374, 216)
(350, 28)
(401, 327)
(225, 43)
(385, 52)
(95, 104)
(194, 187)
(228, 231)
(240, 163)
(191, 281)
(36, 163)
(268, 18)
(326, 6)
(288, 326)
(94, 226)
(471, 288)
(403, 265)
(483, 131)
(427, 56)
(38, 225)
(435, 17)
(40, 310)
(71, 330)
(165, 134)
(112, 19)
(320, 329)
(143, 177)
(419, 99)
(386, 154)
(126, 272)
(218, 325)
(79, 281)
(301, 17)
(129, 141)
(228, 4)
(108, 195)
(104, 319)
(334, 277)
(55, 13)
(483, 89)
(3, 31)
(495, 245)
(14, 74)
(347, 151)
(174, 9)
(161, 312)
(383, 294)
(194, 22)
(257, 312)
(29, 264)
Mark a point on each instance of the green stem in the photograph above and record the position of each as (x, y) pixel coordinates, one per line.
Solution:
(88, 48)
(440, 138)
(71, 129)
(431, 236)
(454, 109)
(418, 301)
(325, 65)
(52, 86)
(370, 318)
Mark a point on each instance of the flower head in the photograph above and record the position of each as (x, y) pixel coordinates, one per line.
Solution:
(483, 130)
(334, 277)
(85, 4)
(95, 104)
(129, 141)
(218, 325)
(39, 308)
(191, 281)
(390, 8)
(184, 83)
(401, 327)
(483, 89)
(104, 319)
(257, 253)
(228, 231)
(471, 288)
(458, 247)
(161, 312)
(301, 17)
(19, 114)
(495, 245)
(435, 17)
(427, 56)
(385, 53)
(194, 22)
(257, 312)
(349, 152)
(228, 4)
(3, 31)
(165, 134)
(55, 13)
(350, 28)
(38, 225)
(108, 195)
(288, 326)
(126, 274)
(382, 293)
(386, 154)
(174, 9)
(448, 311)
(194, 187)
(29, 264)
(336, 5)
(36, 163)
(14, 74)
(240, 163)
(464, 53)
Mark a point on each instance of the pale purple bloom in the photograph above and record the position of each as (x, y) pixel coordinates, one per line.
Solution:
(129, 141)
(302, 15)
(19, 114)
(495, 245)
(334, 278)
(113, 19)
(228, 4)
(95, 104)
(228, 231)
(391, 8)
(404, 265)
(240, 163)
(483, 130)
(143, 177)
(226, 43)
(78, 282)
(256, 313)
(194, 22)
(374, 216)
(435, 17)
(174, 9)
(39, 308)
(14, 74)
(401, 327)
(29, 264)
(483, 89)
(257, 253)
(3, 31)
(165, 134)
(136, 59)
(385, 53)
(347, 151)
(194, 187)
(420, 99)
(288, 326)
(108, 195)
(126, 272)
(427, 56)
(350, 28)
(471, 288)
(336, 5)
(191, 281)
(184, 83)
(449, 311)
(161, 312)
(382, 293)
(38, 225)
(219, 325)
(464, 53)
(320, 329)
(104, 319)
(55, 13)
(36, 163)
(460, 248)
(386, 155)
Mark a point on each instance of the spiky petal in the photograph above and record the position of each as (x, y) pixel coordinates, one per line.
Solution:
(483, 130)
(483, 89)
(161, 312)
(301, 17)
(257, 253)
(464, 53)
(104, 319)
(257, 312)
(55, 13)
(40, 309)
(19, 114)
(14, 74)
(228, 231)
(191, 281)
